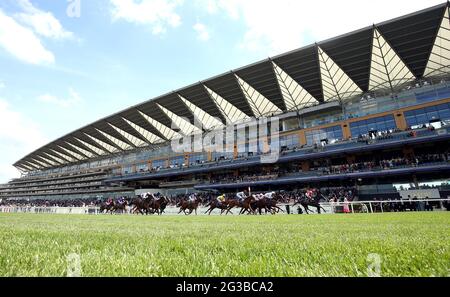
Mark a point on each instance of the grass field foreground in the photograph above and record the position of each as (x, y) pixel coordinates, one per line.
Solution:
(406, 244)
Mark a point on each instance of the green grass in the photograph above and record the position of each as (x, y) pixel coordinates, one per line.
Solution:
(413, 244)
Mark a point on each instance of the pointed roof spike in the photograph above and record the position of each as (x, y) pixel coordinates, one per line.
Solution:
(48, 161)
(183, 124)
(71, 154)
(228, 110)
(207, 120)
(439, 61)
(89, 143)
(167, 132)
(34, 165)
(54, 158)
(335, 82)
(260, 105)
(151, 138)
(106, 148)
(119, 143)
(81, 150)
(57, 157)
(294, 95)
(137, 142)
(387, 69)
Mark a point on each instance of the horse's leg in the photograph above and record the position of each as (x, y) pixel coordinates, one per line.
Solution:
(279, 209)
(306, 209)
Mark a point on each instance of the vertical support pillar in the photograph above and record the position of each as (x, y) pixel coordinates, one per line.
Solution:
(306, 166)
(302, 137)
(400, 120)
(346, 133)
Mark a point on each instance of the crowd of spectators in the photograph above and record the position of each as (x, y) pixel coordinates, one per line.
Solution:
(385, 164)
(49, 203)
(328, 169)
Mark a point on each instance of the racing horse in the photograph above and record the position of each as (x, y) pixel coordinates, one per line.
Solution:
(119, 207)
(266, 204)
(223, 206)
(190, 205)
(105, 206)
(159, 205)
(139, 205)
(311, 199)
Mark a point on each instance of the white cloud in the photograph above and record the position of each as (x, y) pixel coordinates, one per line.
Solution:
(202, 32)
(43, 23)
(71, 101)
(276, 26)
(158, 14)
(22, 43)
(18, 136)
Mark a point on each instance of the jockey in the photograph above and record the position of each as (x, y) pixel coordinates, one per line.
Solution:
(221, 198)
(269, 195)
(192, 197)
(259, 196)
(241, 196)
(121, 200)
(109, 201)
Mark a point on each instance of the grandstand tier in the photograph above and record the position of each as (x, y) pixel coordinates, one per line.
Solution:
(371, 107)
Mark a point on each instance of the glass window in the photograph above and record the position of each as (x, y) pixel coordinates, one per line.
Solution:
(177, 161)
(159, 164)
(290, 141)
(379, 124)
(423, 116)
(197, 159)
(332, 134)
(141, 167)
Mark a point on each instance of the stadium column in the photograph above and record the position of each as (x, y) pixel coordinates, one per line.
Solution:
(346, 133)
(400, 121)
(235, 153)
(186, 159)
(302, 137)
(134, 168)
(351, 159)
(149, 165)
(306, 166)
(209, 158)
(408, 152)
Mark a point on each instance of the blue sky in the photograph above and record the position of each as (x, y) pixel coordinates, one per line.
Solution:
(67, 63)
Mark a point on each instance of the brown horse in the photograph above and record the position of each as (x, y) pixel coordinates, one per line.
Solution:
(159, 205)
(140, 205)
(313, 202)
(268, 205)
(121, 207)
(246, 205)
(223, 206)
(189, 205)
(105, 206)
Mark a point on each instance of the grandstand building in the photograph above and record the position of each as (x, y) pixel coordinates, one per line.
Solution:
(369, 109)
